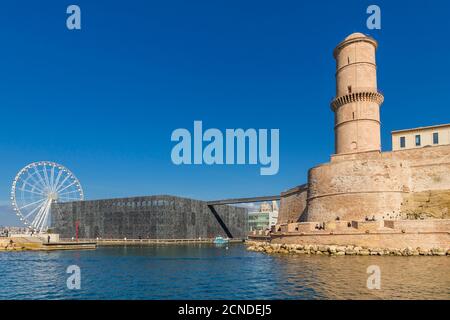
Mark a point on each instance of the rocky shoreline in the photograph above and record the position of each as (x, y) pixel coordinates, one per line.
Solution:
(335, 250)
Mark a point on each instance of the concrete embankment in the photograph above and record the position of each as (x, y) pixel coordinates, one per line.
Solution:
(142, 242)
(39, 244)
(335, 250)
(20, 244)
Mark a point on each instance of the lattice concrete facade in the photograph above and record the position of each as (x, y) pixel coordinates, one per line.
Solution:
(153, 217)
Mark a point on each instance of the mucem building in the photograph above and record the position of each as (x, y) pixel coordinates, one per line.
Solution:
(153, 217)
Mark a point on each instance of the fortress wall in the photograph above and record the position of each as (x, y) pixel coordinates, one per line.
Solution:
(429, 182)
(155, 217)
(430, 225)
(353, 190)
(430, 167)
(430, 177)
(361, 181)
(385, 185)
(292, 205)
(421, 156)
(381, 205)
(358, 176)
(371, 240)
(427, 204)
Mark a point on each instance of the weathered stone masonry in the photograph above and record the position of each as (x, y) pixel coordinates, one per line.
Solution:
(362, 183)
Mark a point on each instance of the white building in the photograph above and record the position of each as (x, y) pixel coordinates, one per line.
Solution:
(421, 137)
(265, 217)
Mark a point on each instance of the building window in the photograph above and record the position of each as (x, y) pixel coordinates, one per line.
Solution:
(435, 138)
(402, 142)
(418, 140)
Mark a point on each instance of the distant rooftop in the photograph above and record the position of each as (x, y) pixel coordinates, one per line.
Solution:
(422, 128)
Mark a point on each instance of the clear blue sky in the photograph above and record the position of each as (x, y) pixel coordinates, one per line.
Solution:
(104, 101)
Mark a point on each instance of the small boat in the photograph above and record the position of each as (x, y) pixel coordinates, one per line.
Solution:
(220, 240)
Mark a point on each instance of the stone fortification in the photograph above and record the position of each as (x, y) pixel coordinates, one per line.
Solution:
(362, 195)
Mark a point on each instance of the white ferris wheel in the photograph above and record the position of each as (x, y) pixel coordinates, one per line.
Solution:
(39, 185)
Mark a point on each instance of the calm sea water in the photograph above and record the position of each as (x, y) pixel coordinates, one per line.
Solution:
(209, 272)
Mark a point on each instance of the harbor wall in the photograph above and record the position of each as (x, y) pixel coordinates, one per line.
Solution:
(374, 240)
(425, 234)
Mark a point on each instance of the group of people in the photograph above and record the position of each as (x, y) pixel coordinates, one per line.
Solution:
(4, 233)
(320, 226)
(10, 245)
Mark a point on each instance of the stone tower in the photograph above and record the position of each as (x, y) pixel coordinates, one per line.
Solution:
(357, 103)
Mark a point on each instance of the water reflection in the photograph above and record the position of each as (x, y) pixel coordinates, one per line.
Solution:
(209, 272)
(346, 277)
